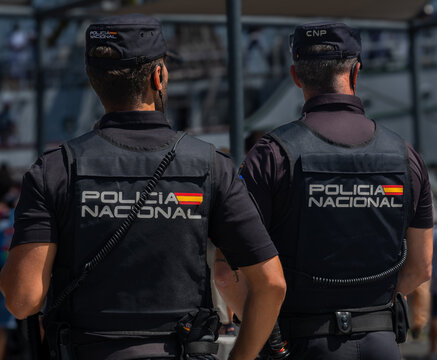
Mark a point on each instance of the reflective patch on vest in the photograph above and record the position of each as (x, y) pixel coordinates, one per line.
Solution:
(356, 196)
(115, 204)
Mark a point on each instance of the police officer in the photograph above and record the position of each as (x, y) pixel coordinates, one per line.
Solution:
(115, 222)
(339, 193)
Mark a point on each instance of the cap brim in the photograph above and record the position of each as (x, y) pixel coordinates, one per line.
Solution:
(174, 56)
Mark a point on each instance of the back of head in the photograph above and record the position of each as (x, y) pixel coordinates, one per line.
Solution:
(121, 54)
(322, 52)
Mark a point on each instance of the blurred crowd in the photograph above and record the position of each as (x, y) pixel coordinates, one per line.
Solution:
(21, 56)
(11, 336)
(201, 67)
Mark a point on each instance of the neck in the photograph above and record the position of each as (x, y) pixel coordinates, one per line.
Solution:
(341, 86)
(144, 103)
(140, 107)
(310, 93)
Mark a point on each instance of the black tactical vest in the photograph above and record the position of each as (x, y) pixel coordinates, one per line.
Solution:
(348, 214)
(158, 273)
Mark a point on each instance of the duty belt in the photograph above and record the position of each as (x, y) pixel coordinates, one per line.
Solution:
(340, 323)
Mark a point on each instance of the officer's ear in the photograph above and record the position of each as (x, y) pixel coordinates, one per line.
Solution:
(354, 75)
(294, 76)
(156, 78)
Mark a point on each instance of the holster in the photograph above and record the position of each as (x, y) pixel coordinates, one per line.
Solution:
(197, 332)
(59, 340)
(400, 318)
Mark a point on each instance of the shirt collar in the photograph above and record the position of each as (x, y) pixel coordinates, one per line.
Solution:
(133, 120)
(333, 102)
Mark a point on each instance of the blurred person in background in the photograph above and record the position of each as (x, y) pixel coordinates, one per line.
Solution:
(7, 125)
(8, 198)
(115, 223)
(342, 198)
(20, 52)
(433, 324)
(419, 302)
(5, 180)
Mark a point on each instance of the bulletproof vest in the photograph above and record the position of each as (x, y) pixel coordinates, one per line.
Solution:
(349, 208)
(158, 272)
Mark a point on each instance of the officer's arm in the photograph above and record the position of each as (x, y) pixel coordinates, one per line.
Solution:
(25, 278)
(265, 293)
(418, 266)
(231, 284)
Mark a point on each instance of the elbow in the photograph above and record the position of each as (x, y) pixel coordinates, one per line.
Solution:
(20, 302)
(420, 274)
(21, 305)
(423, 272)
(18, 312)
(21, 308)
(278, 284)
(280, 287)
(275, 287)
(224, 277)
(426, 272)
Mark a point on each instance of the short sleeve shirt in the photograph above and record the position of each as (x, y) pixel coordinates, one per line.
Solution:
(235, 226)
(340, 119)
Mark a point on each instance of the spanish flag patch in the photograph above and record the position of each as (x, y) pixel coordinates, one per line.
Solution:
(189, 198)
(393, 189)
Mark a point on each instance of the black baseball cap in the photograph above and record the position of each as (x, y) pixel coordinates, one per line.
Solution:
(137, 37)
(345, 40)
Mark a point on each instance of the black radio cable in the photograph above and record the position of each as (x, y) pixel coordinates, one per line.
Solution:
(365, 279)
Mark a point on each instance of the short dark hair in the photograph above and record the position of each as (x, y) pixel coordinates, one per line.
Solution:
(321, 74)
(119, 86)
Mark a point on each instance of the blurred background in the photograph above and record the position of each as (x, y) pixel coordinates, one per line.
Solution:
(45, 96)
(42, 74)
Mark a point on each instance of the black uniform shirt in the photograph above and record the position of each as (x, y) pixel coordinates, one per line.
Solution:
(43, 214)
(338, 118)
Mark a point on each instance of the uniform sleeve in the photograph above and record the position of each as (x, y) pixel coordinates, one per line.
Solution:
(35, 220)
(266, 175)
(235, 225)
(422, 199)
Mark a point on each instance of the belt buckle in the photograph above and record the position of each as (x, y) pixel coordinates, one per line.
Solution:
(344, 322)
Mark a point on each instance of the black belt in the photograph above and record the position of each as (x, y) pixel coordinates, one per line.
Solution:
(131, 349)
(340, 323)
(201, 347)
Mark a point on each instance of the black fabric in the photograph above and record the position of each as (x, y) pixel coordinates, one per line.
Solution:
(380, 345)
(200, 325)
(340, 119)
(330, 324)
(346, 41)
(46, 213)
(122, 347)
(360, 224)
(201, 347)
(43, 214)
(137, 38)
(400, 318)
(107, 181)
(329, 103)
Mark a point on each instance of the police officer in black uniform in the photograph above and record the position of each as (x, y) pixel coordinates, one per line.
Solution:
(339, 193)
(115, 223)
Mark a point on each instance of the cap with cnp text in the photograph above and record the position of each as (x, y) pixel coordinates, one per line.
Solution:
(138, 38)
(345, 41)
